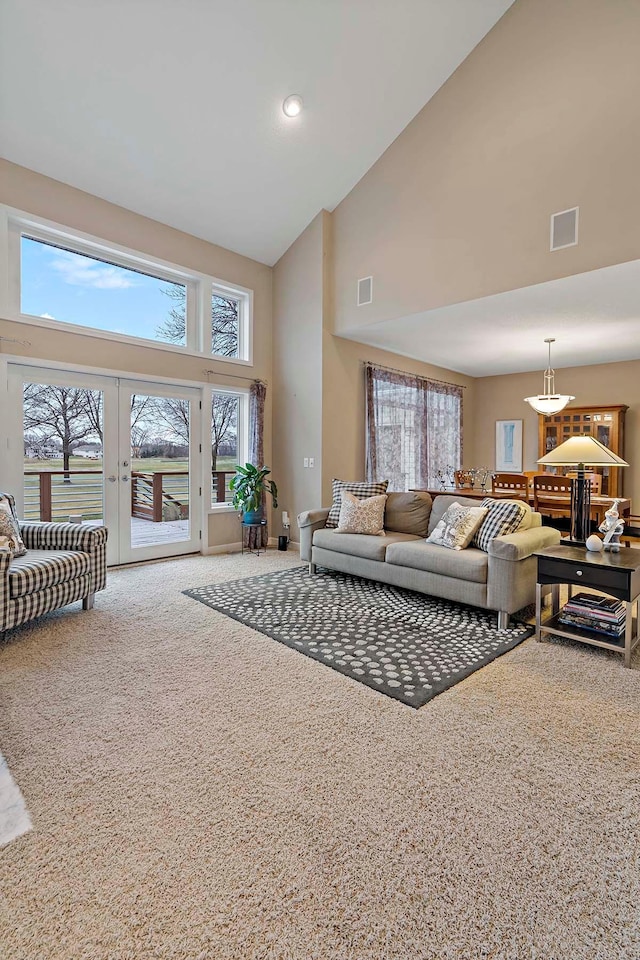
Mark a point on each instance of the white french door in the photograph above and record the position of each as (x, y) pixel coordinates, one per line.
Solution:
(108, 450)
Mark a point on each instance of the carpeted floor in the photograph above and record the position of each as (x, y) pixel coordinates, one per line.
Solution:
(201, 792)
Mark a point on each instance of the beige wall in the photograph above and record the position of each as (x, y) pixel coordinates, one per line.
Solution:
(540, 117)
(298, 296)
(30, 192)
(501, 398)
(319, 380)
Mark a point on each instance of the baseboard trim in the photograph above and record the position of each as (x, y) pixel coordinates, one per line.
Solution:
(222, 548)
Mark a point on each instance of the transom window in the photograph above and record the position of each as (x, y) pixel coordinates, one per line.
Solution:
(80, 283)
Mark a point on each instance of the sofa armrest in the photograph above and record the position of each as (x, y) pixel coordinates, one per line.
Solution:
(62, 536)
(308, 522)
(524, 543)
(87, 537)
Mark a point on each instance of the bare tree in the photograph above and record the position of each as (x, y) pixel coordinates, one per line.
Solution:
(224, 322)
(93, 410)
(224, 423)
(174, 414)
(57, 412)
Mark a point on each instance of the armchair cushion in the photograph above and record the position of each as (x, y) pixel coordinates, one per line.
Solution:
(40, 569)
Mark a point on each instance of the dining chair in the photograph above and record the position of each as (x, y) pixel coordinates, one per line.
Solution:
(552, 495)
(595, 480)
(510, 485)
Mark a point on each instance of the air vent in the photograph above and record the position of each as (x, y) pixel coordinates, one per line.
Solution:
(564, 229)
(365, 291)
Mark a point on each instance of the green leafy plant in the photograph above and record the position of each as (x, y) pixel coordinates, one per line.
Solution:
(249, 484)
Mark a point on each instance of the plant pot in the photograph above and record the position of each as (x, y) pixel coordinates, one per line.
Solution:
(253, 516)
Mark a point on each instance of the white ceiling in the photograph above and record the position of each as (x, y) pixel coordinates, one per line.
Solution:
(595, 318)
(173, 109)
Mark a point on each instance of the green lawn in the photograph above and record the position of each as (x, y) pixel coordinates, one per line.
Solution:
(146, 465)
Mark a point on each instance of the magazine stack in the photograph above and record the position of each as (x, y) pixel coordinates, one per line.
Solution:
(599, 614)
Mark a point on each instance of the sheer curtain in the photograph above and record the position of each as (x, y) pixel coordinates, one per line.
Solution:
(255, 538)
(413, 428)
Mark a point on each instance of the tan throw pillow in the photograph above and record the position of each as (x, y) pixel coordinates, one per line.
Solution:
(457, 527)
(9, 528)
(361, 490)
(362, 516)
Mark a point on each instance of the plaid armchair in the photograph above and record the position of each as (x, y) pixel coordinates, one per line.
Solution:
(64, 562)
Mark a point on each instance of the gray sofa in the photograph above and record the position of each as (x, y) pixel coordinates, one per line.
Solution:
(502, 579)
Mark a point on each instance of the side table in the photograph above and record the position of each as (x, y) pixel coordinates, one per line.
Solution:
(616, 574)
(251, 526)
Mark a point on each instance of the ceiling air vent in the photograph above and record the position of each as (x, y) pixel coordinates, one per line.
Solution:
(564, 229)
(365, 291)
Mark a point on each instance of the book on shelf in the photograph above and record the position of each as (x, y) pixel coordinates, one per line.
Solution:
(595, 626)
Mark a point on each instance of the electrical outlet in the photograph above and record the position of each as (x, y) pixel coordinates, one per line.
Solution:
(285, 519)
(312, 461)
(305, 462)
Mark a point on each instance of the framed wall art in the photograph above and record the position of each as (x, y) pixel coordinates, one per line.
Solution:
(509, 446)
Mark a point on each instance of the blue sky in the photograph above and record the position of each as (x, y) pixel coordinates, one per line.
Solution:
(65, 286)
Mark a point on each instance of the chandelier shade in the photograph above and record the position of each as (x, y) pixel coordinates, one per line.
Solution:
(549, 402)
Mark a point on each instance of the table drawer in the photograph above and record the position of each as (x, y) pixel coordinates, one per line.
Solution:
(599, 578)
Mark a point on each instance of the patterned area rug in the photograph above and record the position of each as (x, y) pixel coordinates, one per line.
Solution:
(404, 644)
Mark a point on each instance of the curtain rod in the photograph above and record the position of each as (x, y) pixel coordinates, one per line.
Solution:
(406, 373)
(235, 376)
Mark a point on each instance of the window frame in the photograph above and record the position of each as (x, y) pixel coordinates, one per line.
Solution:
(200, 288)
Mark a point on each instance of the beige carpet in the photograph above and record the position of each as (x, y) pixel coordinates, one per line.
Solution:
(201, 792)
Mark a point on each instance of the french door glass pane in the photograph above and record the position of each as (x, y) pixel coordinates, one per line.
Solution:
(160, 429)
(63, 434)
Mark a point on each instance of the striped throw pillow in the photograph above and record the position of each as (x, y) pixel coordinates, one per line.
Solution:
(360, 490)
(503, 517)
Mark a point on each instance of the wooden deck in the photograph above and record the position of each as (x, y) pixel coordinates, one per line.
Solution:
(145, 533)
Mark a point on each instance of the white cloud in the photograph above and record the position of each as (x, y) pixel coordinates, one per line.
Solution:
(47, 316)
(80, 272)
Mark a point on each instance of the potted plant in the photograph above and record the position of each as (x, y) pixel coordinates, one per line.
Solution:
(249, 486)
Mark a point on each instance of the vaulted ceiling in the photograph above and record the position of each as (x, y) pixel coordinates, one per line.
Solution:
(173, 110)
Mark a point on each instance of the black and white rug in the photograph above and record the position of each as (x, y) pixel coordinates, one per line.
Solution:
(405, 644)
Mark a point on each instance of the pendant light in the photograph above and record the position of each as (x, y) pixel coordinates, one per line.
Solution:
(549, 402)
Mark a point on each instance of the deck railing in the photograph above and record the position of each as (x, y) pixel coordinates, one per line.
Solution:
(56, 494)
(156, 496)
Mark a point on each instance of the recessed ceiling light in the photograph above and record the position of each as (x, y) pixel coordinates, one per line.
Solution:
(292, 106)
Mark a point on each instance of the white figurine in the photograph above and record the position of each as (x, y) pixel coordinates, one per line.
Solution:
(612, 527)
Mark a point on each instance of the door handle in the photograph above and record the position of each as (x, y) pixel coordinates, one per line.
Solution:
(112, 479)
(124, 479)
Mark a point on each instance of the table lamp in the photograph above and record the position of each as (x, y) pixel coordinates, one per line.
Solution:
(581, 452)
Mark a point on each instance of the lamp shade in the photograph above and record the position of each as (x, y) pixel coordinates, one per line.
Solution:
(549, 403)
(584, 450)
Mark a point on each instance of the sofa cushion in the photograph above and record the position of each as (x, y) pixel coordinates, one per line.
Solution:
(408, 513)
(360, 489)
(362, 516)
(469, 564)
(441, 504)
(40, 569)
(357, 544)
